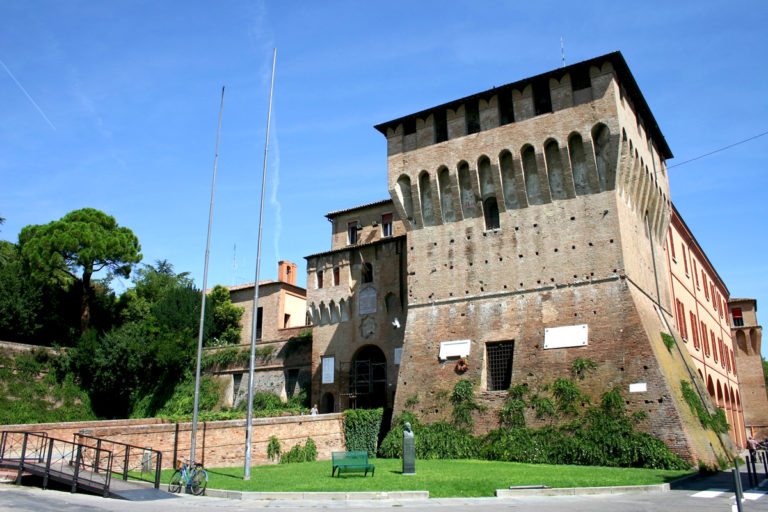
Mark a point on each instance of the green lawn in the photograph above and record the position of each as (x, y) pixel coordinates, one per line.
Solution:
(442, 478)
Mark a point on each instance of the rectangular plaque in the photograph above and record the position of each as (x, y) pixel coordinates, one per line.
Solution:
(566, 336)
(398, 354)
(458, 348)
(367, 301)
(328, 369)
(638, 387)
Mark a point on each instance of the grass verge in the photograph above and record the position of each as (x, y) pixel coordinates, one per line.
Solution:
(442, 478)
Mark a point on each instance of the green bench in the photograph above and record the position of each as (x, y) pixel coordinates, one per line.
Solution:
(351, 461)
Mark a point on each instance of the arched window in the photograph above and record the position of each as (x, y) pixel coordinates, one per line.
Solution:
(491, 213)
(367, 270)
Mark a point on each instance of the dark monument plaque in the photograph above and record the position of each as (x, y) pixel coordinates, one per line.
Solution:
(409, 451)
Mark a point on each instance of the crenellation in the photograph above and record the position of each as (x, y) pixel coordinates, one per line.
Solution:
(457, 125)
(522, 102)
(425, 131)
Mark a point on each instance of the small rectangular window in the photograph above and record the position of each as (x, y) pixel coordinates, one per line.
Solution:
(696, 273)
(499, 359)
(319, 279)
(259, 320)
(336, 276)
(704, 280)
(352, 232)
(685, 258)
(694, 331)
(386, 224)
(738, 318)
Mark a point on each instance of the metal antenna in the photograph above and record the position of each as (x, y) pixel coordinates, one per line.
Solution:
(562, 50)
(205, 284)
(255, 314)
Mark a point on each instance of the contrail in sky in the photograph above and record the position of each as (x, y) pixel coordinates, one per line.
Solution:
(27, 94)
(273, 196)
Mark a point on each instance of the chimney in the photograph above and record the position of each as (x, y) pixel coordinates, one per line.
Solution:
(286, 272)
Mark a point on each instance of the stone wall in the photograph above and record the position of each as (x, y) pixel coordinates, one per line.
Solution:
(219, 443)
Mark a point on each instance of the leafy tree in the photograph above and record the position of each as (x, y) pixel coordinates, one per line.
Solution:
(21, 300)
(73, 248)
(226, 317)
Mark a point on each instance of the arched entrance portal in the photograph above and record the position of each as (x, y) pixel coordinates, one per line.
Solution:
(327, 403)
(368, 378)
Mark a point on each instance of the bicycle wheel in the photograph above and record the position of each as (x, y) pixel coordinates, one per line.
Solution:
(175, 484)
(198, 482)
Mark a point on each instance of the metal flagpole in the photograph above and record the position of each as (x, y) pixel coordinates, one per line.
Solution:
(255, 313)
(205, 284)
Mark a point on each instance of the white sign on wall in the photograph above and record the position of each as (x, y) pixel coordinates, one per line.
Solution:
(638, 387)
(566, 336)
(367, 301)
(458, 348)
(398, 355)
(328, 363)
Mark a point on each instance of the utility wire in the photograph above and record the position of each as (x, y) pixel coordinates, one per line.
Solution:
(718, 150)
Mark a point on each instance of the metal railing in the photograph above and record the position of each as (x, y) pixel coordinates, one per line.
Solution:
(129, 461)
(56, 459)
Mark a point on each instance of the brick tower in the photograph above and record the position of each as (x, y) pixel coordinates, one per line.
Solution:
(536, 216)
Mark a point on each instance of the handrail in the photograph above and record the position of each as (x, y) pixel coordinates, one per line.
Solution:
(87, 440)
(58, 459)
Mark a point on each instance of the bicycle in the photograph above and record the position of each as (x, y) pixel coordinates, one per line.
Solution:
(194, 479)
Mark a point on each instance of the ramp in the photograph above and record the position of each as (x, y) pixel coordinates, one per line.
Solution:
(87, 464)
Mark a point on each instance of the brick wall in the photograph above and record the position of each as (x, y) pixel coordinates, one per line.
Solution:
(219, 443)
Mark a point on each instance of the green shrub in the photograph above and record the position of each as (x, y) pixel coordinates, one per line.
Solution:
(464, 404)
(273, 448)
(439, 440)
(361, 429)
(299, 453)
(567, 396)
(513, 413)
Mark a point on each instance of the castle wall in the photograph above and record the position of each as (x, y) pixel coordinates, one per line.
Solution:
(555, 220)
(219, 443)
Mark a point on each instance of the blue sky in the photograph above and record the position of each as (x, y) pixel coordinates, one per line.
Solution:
(114, 105)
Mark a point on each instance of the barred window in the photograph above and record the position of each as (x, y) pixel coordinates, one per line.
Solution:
(499, 359)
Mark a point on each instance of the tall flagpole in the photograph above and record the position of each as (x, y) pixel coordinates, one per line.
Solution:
(205, 284)
(255, 313)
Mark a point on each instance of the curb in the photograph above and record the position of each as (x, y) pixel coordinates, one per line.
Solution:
(317, 496)
(584, 491)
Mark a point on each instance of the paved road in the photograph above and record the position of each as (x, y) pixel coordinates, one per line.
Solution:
(699, 495)
(32, 499)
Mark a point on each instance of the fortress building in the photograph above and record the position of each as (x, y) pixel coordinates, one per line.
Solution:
(528, 227)
(748, 334)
